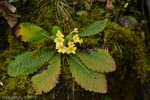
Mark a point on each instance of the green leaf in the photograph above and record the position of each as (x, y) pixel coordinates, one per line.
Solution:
(93, 28)
(52, 37)
(55, 29)
(99, 61)
(48, 79)
(26, 64)
(88, 79)
(105, 97)
(30, 32)
(68, 38)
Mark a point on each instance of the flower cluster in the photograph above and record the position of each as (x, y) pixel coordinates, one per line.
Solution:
(60, 42)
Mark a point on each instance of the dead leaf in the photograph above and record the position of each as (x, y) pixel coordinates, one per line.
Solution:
(109, 5)
(9, 6)
(8, 12)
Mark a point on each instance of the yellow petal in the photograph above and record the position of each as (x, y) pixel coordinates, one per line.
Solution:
(58, 45)
(71, 50)
(59, 34)
(126, 5)
(81, 41)
(76, 38)
(62, 49)
(59, 40)
(71, 44)
(75, 30)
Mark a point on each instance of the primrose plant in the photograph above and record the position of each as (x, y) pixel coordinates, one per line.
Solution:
(88, 70)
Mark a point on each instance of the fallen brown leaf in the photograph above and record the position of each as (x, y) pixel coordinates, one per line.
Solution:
(8, 12)
(109, 5)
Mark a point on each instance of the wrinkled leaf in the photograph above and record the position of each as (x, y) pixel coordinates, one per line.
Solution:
(25, 64)
(48, 79)
(99, 61)
(93, 28)
(86, 78)
(28, 32)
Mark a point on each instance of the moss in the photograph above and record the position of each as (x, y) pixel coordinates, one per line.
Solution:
(18, 86)
(130, 58)
(133, 47)
(42, 44)
(3, 39)
(92, 15)
(93, 40)
(14, 47)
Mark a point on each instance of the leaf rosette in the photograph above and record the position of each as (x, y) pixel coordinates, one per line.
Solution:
(88, 70)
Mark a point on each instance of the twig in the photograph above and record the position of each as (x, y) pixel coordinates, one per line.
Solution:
(53, 94)
(73, 89)
(118, 13)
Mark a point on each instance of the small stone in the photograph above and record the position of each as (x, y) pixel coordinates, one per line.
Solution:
(1, 83)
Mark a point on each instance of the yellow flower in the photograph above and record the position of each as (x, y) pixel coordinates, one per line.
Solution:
(71, 50)
(75, 30)
(71, 44)
(62, 48)
(126, 5)
(71, 33)
(81, 41)
(59, 34)
(59, 40)
(76, 38)
(58, 45)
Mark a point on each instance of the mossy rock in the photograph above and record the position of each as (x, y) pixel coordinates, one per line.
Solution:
(125, 45)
